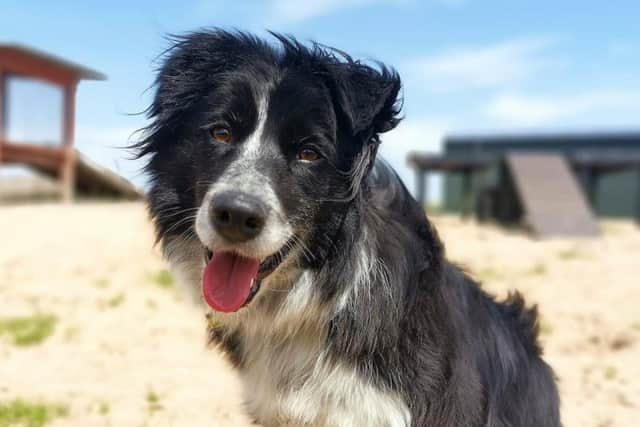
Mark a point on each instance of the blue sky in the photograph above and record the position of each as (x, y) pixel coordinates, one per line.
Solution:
(468, 65)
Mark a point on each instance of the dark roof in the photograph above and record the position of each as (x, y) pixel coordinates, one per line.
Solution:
(434, 162)
(624, 137)
(601, 160)
(611, 160)
(80, 71)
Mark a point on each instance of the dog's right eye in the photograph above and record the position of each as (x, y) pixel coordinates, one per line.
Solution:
(221, 134)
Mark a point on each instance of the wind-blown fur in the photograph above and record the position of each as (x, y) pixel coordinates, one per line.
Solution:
(364, 322)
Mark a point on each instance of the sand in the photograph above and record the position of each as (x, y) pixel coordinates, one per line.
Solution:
(128, 347)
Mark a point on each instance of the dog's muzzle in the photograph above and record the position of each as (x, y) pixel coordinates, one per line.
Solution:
(234, 269)
(238, 217)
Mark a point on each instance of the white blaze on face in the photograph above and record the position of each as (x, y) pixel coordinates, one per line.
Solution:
(242, 176)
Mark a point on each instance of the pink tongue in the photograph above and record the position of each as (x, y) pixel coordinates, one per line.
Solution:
(227, 280)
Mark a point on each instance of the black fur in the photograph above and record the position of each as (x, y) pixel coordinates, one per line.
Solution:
(456, 356)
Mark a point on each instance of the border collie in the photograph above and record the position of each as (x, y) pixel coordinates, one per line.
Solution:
(327, 285)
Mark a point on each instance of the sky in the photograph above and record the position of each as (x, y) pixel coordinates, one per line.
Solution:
(468, 66)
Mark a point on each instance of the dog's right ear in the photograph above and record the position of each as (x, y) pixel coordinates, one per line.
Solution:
(189, 68)
(368, 97)
(365, 96)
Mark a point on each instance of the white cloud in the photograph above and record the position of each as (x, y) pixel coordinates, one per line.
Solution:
(275, 13)
(105, 146)
(424, 135)
(494, 65)
(106, 136)
(297, 10)
(528, 110)
(287, 11)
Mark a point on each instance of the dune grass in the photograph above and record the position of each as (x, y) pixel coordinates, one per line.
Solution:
(162, 279)
(538, 269)
(29, 330)
(116, 300)
(571, 254)
(101, 283)
(19, 412)
(104, 408)
(153, 401)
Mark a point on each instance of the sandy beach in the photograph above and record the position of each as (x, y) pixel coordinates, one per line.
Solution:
(126, 347)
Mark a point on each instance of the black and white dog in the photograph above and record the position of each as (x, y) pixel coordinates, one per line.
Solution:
(329, 287)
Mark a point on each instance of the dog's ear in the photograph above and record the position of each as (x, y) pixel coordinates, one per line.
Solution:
(367, 97)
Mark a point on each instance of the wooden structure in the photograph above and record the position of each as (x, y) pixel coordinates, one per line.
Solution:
(469, 168)
(21, 61)
(552, 202)
(482, 177)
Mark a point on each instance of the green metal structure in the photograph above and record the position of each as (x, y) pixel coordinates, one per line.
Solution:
(606, 165)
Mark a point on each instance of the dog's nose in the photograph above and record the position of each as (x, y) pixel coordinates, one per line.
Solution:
(237, 216)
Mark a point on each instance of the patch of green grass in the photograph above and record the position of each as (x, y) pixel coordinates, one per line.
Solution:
(116, 300)
(489, 274)
(613, 228)
(610, 372)
(570, 253)
(104, 408)
(28, 414)
(539, 269)
(545, 327)
(635, 326)
(28, 330)
(101, 283)
(153, 401)
(71, 332)
(163, 279)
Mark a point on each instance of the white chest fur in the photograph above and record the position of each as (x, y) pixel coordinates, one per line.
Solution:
(327, 397)
(290, 380)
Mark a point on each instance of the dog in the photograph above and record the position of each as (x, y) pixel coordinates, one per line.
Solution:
(325, 283)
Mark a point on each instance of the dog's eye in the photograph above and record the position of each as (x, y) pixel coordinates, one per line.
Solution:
(308, 155)
(221, 134)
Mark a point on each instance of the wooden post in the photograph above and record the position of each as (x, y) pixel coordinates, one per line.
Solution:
(420, 186)
(480, 207)
(590, 177)
(638, 199)
(3, 111)
(67, 172)
(425, 190)
(467, 175)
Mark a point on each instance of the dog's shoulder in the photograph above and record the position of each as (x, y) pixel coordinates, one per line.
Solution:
(511, 316)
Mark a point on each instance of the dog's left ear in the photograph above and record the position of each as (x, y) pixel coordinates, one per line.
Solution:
(367, 98)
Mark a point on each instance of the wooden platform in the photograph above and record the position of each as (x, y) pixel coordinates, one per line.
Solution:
(90, 179)
(18, 61)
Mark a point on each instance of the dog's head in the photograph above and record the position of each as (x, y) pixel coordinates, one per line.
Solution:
(256, 153)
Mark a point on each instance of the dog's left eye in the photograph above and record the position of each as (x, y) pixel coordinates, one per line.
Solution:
(308, 155)
(221, 134)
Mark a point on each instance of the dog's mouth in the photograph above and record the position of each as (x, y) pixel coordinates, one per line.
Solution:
(230, 280)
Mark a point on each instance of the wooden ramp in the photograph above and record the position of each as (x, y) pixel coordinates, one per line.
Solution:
(91, 179)
(552, 200)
